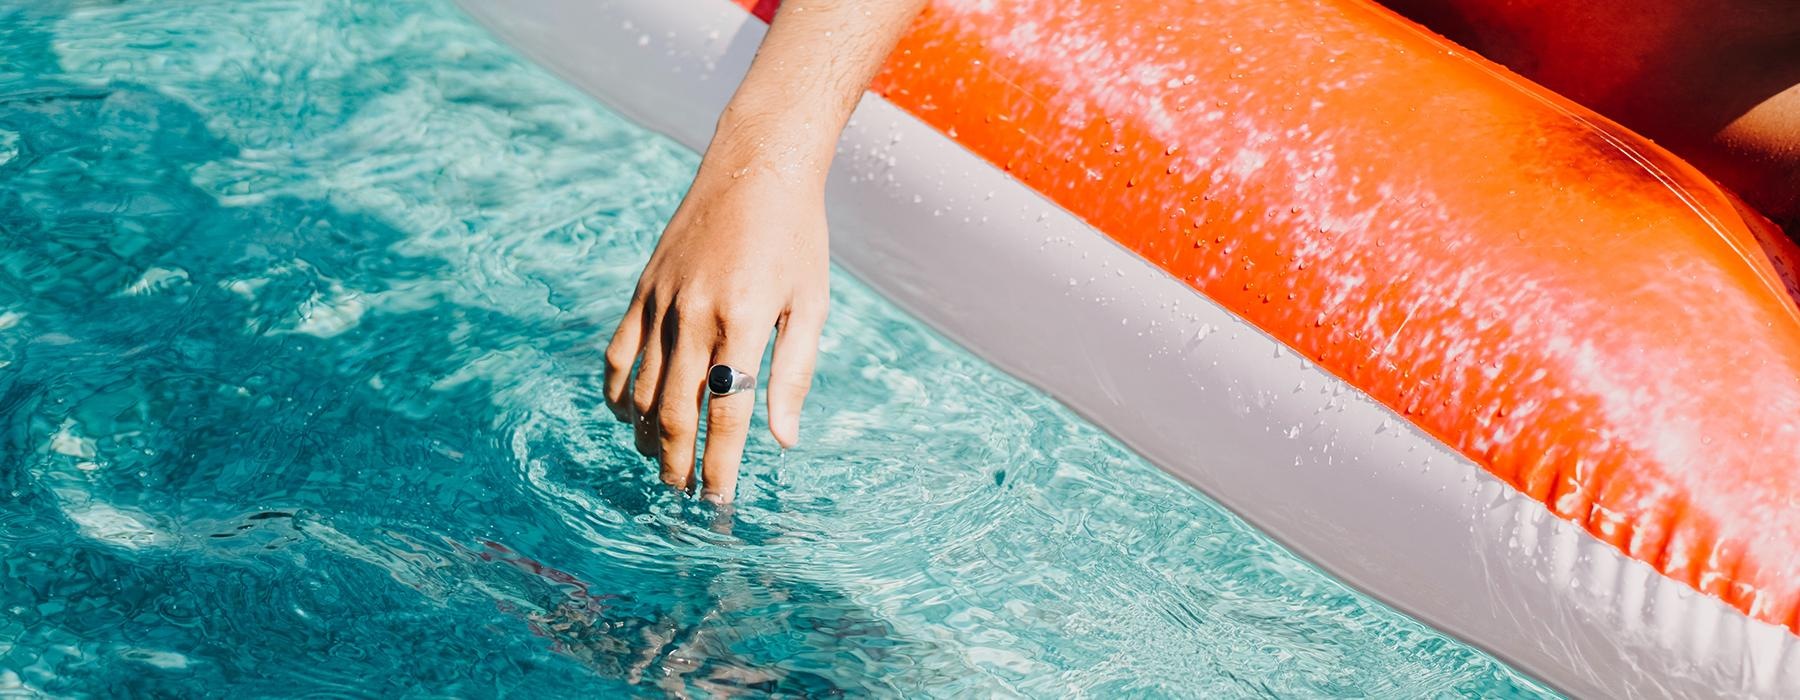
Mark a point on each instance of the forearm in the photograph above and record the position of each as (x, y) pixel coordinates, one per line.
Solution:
(807, 77)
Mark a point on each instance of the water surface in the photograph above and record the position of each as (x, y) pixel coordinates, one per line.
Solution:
(300, 307)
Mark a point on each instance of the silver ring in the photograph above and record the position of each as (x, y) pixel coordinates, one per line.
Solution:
(724, 380)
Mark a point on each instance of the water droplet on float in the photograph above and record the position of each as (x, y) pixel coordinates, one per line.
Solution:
(1171, 149)
(1237, 48)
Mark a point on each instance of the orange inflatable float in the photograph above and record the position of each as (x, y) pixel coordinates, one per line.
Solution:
(1579, 315)
(1570, 306)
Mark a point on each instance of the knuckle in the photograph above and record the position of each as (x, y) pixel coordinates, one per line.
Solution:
(618, 359)
(791, 396)
(794, 385)
(675, 422)
(812, 306)
(735, 320)
(722, 413)
(692, 306)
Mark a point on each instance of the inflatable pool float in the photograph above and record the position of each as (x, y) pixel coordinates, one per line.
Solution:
(1465, 344)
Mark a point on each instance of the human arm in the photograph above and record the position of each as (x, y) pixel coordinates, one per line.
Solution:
(746, 251)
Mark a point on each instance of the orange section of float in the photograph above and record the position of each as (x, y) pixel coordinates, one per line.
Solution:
(1572, 308)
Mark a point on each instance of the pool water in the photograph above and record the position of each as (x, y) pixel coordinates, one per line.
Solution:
(301, 304)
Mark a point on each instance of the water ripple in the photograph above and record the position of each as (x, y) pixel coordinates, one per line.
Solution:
(300, 307)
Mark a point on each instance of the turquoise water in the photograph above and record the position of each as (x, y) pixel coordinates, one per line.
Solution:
(300, 309)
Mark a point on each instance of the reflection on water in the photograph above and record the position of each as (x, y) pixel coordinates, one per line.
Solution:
(300, 305)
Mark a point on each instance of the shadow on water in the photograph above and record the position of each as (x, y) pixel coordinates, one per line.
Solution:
(201, 489)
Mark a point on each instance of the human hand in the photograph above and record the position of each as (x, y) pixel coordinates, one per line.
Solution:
(745, 252)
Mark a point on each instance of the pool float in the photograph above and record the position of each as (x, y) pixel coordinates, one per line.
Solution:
(1467, 345)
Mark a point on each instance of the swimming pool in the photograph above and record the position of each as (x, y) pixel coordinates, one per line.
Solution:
(300, 307)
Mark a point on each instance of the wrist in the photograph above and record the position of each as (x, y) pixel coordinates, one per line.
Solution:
(791, 145)
(743, 176)
(739, 167)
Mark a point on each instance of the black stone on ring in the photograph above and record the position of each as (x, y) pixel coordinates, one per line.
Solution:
(722, 380)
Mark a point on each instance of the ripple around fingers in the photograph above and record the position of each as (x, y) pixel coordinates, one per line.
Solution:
(301, 304)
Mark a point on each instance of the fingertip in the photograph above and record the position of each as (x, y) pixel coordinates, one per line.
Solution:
(786, 430)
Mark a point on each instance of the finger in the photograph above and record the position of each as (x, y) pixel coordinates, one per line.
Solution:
(728, 417)
(648, 377)
(678, 401)
(622, 353)
(791, 372)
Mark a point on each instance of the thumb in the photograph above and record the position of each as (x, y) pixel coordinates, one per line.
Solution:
(790, 373)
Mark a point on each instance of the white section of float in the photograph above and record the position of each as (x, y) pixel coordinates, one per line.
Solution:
(1294, 450)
